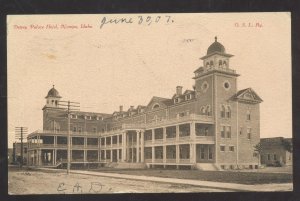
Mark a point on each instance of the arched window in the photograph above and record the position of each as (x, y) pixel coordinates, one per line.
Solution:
(207, 64)
(155, 106)
(224, 63)
(211, 63)
(208, 112)
(202, 110)
(223, 111)
(228, 112)
(220, 63)
(248, 115)
(52, 102)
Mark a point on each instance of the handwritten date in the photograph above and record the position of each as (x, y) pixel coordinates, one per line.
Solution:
(140, 20)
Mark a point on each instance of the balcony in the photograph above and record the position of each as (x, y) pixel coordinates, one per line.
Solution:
(215, 68)
(165, 122)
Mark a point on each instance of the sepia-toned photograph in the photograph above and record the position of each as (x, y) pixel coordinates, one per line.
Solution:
(149, 103)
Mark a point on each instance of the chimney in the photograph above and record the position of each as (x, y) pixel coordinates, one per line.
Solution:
(179, 90)
(121, 108)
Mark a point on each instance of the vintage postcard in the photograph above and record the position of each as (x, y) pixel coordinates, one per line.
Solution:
(149, 103)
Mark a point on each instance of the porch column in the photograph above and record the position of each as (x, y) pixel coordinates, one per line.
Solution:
(55, 141)
(153, 155)
(118, 140)
(111, 141)
(177, 154)
(40, 157)
(53, 157)
(192, 131)
(192, 153)
(124, 146)
(142, 147)
(55, 154)
(99, 153)
(137, 146)
(84, 155)
(177, 133)
(111, 155)
(153, 136)
(118, 154)
(164, 134)
(164, 154)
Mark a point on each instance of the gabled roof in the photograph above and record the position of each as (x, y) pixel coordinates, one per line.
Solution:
(247, 95)
(160, 100)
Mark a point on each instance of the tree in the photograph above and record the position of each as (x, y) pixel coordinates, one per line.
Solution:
(258, 151)
(287, 144)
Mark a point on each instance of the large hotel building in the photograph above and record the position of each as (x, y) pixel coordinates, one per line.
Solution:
(213, 126)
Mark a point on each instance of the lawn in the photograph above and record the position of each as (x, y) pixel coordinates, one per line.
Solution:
(218, 176)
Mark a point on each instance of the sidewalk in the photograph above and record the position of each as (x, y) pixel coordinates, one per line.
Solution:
(206, 184)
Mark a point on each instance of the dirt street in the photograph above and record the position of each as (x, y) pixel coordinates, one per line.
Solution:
(35, 182)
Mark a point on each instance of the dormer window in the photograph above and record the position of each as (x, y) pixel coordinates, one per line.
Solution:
(73, 116)
(176, 100)
(89, 117)
(188, 97)
(99, 118)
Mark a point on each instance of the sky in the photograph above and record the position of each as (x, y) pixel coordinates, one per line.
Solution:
(129, 63)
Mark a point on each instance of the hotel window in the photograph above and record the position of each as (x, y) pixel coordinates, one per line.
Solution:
(89, 117)
(73, 116)
(202, 154)
(222, 148)
(231, 148)
(79, 129)
(275, 157)
(188, 97)
(249, 133)
(74, 129)
(181, 114)
(208, 110)
(228, 112)
(206, 131)
(222, 111)
(248, 115)
(228, 131)
(269, 157)
(94, 130)
(222, 131)
(203, 110)
(210, 153)
(241, 130)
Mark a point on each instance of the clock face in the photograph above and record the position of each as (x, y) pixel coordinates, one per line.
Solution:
(204, 86)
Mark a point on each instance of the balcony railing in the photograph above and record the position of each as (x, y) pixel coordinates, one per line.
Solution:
(162, 122)
(224, 69)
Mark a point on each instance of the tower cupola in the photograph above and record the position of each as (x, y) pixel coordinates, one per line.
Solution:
(52, 98)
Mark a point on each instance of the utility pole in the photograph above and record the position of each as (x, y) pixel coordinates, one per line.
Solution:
(20, 134)
(70, 106)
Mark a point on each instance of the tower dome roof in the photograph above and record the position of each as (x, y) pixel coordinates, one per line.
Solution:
(53, 93)
(215, 47)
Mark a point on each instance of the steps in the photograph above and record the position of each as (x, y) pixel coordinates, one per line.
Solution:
(207, 166)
